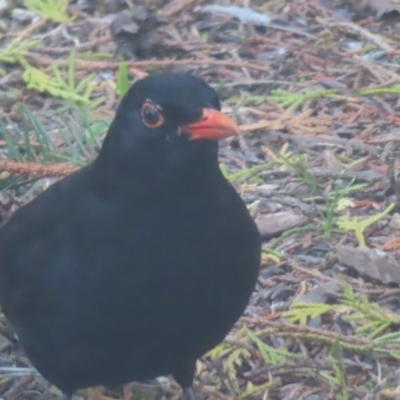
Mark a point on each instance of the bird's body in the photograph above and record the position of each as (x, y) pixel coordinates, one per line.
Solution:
(132, 267)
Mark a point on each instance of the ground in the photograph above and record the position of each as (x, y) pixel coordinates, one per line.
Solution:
(315, 88)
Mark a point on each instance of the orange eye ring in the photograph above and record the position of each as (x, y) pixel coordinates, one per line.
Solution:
(151, 115)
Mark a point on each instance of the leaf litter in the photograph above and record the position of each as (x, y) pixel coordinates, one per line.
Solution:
(315, 88)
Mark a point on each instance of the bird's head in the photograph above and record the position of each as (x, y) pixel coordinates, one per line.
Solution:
(166, 127)
(164, 105)
(170, 120)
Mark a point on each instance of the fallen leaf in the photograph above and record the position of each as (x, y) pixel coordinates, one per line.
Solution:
(272, 224)
(381, 6)
(331, 161)
(373, 263)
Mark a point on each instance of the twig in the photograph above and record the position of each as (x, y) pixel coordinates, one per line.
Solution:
(248, 16)
(365, 176)
(258, 82)
(18, 387)
(113, 65)
(384, 140)
(177, 7)
(35, 169)
(29, 30)
(378, 40)
(324, 141)
(81, 47)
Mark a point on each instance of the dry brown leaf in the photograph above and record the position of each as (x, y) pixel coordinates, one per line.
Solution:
(302, 124)
(371, 262)
(331, 161)
(272, 224)
(307, 240)
(392, 244)
(381, 6)
(359, 165)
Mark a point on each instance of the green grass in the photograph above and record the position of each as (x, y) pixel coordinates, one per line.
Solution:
(15, 50)
(52, 10)
(74, 139)
(333, 199)
(122, 79)
(369, 318)
(30, 140)
(62, 84)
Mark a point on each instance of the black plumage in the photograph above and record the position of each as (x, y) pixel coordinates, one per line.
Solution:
(139, 263)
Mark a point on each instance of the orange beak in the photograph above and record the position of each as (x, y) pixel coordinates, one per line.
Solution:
(212, 125)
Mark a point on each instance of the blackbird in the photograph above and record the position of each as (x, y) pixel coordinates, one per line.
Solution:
(139, 263)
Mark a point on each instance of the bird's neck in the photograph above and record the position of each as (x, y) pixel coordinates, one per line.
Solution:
(184, 162)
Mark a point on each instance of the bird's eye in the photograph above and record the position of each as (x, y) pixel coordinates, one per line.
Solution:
(151, 115)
